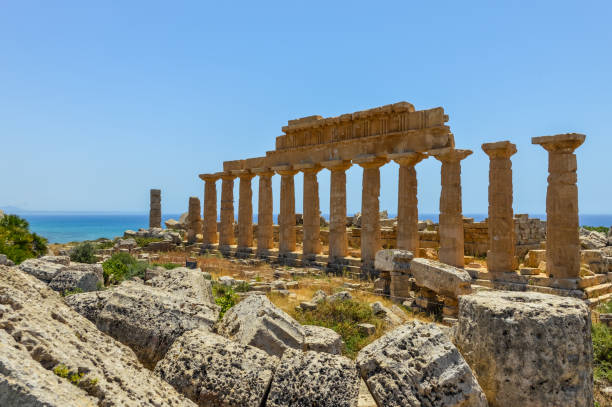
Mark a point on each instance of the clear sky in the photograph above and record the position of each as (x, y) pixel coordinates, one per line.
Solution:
(100, 101)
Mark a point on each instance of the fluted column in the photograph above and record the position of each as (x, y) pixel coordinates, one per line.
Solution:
(312, 220)
(286, 220)
(265, 236)
(370, 207)
(245, 210)
(562, 239)
(209, 229)
(500, 257)
(226, 228)
(407, 201)
(338, 244)
(451, 216)
(155, 209)
(194, 222)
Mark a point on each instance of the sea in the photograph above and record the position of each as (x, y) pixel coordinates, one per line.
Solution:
(70, 227)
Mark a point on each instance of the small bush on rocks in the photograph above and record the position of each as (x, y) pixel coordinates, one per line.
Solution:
(225, 297)
(122, 266)
(170, 266)
(84, 253)
(601, 335)
(16, 240)
(144, 241)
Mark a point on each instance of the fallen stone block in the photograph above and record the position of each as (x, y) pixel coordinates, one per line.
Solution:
(42, 270)
(63, 260)
(393, 260)
(190, 284)
(366, 329)
(441, 278)
(85, 277)
(321, 339)
(89, 304)
(528, 348)
(314, 379)
(417, 365)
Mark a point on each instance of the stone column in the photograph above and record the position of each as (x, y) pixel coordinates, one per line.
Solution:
(407, 209)
(265, 220)
(155, 209)
(370, 207)
(500, 257)
(451, 217)
(562, 239)
(194, 222)
(312, 214)
(226, 228)
(209, 229)
(338, 244)
(245, 210)
(286, 219)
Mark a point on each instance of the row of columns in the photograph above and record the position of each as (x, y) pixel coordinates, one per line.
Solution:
(407, 238)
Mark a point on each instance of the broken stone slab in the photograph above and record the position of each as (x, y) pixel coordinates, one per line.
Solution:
(321, 339)
(308, 306)
(339, 296)
(417, 365)
(89, 304)
(366, 329)
(314, 379)
(393, 260)
(528, 348)
(591, 239)
(39, 332)
(319, 296)
(441, 278)
(42, 270)
(85, 277)
(214, 371)
(389, 316)
(64, 260)
(191, 284)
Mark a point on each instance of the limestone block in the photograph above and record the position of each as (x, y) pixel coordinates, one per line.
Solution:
(401, 285)
(527, 348)
(214, 371)
(89, 304)
(186, 283)
(417, 365)
(393, 260)
(441, 278)
(42, 270)
(591, 239)
(86, 277)
(534, 257)
(64, 260)
(321, 339)
(305, 379)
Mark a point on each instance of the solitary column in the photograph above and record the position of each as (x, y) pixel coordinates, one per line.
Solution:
(312, 220)
(194, 222)
(407, 202)
(209, 229)
(338, 244)
(370, 208)
(451, 217)
(500, 257)
(562, 240)
(245, 210)
(264, 210)
(226, 228)
(155, 209)
(286, 220)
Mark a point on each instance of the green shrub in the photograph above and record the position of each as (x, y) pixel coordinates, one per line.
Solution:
(122, 266)
(225, 297)
(76, 290)
(84, 253)
(601, 229)
(144, 241)
(16, 240)
(105, 244)
(169, 266)
(602, 352)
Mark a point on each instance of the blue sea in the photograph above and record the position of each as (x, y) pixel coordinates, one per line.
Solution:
(68, 227)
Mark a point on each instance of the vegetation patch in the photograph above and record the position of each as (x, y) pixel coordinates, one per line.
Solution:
(600, 229)
(144, 241)
(76, 378)
(122, 266)
(84, 253)
(602, 347)
(16, 240)
(76, 290)
(225, 297)
(169, 266)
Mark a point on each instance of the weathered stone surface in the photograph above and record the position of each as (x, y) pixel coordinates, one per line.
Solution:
(214, 371)
(191, 284)
(417, 365)
(366, 329)
(591, 239)
(125, 244)
(38, 332)
(339, 296)
(314, 379)
(321, 339)
(389, 316)
(393, 260)
(86, 277)
(528, 349)
(42, 270)
(89, 304)
(65, 260)
(149, 319)
(441, 278)
(5, 261)
(319, 296)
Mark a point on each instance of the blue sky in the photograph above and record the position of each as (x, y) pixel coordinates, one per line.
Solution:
(101, 102)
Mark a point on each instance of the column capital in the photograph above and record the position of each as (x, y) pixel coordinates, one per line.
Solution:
(450, 155)
(262, 172)
(337, 165)
(243, 174)
(308, 167)
(209, 177)
(560, 143)
(284, 170)
(409, 158)
(226, 175)
(500, 149)
(370, 161)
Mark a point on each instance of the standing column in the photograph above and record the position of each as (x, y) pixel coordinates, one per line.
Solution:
(286, 220)
(451, 217)
(338, 244)
(407, 202)
(500, 257)
(226, 228)
(312, 214)
(370, 208)
(209, 229)
(562, 239)
(155, 209)
(265, 236)
(245, 210)
(194, 222)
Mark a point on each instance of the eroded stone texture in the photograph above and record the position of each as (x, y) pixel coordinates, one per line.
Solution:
(286, 218)
(194, 222)
(417, 365)
(155, 209)
(182, 282)
(209, 228)
(527, 348)
(451, 217)
(265, 220)
(245, 211)
(304, 379)
(226, 227)
(85, 277)
(216, 372)
(500, 257)
(441, 278)
(42, 270)
(338, 244)
(562, 240)
(321, 339)
(312, 223)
